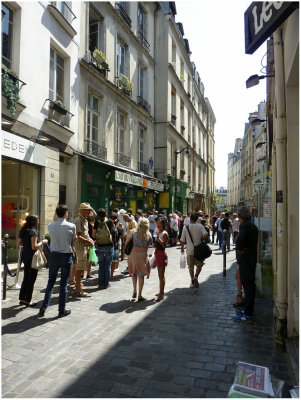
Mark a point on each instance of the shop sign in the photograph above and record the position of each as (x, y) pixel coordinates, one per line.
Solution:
(154, 185)
(22, 149)
(262, 18)
(128, 178)
(267, 210)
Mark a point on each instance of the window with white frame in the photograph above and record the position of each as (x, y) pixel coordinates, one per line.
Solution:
(7, 29)
(141, 78)
(141, 138)
(120, 59)
(56, 77)
(121, 120)
(96, 32)
(92, 118)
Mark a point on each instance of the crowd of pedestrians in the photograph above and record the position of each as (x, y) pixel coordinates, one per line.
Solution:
(73, 245)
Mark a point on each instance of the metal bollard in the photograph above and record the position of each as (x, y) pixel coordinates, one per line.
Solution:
(5, 259)
(224, 252)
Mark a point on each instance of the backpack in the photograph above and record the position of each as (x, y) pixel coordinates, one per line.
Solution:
(103, 234)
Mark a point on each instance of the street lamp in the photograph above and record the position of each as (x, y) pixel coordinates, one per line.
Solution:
(253, 80)
(257, 121)
(177, 152)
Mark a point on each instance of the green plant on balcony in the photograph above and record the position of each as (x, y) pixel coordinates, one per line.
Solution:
(58, 106)
(99, 56)
(182, 77)
(182, 171)
(125, 84)
(10, 89)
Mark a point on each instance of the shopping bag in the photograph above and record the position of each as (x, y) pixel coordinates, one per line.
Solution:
(182, 261)
(93, 260)
(39, 260)
(152, 261)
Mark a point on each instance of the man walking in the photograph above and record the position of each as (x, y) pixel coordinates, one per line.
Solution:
(198, 233)
(62, 235)
(246, 245)
(219, 230)
(226, 226)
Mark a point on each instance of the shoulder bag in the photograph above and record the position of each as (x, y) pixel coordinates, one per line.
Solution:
(128, 247)
(39, 260)
(202, 250)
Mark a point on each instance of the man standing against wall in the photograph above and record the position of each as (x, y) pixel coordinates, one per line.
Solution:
(246, 245)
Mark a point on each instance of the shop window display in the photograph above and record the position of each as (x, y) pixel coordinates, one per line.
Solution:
(20, 197)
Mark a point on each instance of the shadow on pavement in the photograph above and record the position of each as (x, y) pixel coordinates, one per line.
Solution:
(187, 346)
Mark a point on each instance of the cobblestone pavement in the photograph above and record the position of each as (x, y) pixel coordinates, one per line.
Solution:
(184, 346)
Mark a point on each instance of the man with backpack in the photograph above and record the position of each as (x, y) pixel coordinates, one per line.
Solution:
(103, 232)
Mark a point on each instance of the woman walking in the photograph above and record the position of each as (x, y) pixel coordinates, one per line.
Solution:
(28, 238)
(161, 258)
(139, 266)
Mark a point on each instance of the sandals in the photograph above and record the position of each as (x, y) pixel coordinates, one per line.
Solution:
(238, 303)
(134, 295)
(141, 298)
(158, 298)
(24, 303)
(82, 294)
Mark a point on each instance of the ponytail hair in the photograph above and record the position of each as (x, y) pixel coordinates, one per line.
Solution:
(31, 222)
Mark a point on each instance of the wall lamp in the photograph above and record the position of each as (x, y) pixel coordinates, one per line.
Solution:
(257, 121)
(258, 145)
(254, 80)
(41, 138)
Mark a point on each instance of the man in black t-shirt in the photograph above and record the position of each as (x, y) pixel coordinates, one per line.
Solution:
(226, 225)
(117, 236)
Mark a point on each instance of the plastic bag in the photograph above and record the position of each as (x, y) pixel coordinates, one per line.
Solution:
(93, 260)
(152, 261)
(182, 261)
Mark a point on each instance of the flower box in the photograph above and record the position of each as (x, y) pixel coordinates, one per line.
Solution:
(99, 56)
(57, 106)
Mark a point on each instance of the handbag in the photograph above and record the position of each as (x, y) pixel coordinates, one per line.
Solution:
(128, 247)
(202, 250)
(158, 245)
(39, 260)
(93, 260)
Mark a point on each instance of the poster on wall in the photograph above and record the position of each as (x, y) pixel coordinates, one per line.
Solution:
(150, 200)
(164, 200)
(118, 196)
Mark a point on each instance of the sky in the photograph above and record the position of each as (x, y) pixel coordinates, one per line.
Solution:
(215, 31)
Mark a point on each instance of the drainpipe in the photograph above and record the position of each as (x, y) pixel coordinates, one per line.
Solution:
(280, 138)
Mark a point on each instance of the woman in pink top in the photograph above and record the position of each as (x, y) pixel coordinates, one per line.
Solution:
(139, 266)
(161, 258)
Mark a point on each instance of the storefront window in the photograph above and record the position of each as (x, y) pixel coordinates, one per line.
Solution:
(20, 197)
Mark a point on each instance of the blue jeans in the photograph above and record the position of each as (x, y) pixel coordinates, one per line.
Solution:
(105, 258)
(57, 261)
(228, 235)
(220, 238)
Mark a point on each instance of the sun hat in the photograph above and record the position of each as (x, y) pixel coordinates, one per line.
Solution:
(122, 212)
(85, 206)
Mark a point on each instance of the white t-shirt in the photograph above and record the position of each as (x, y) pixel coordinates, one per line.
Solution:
(152, 221)
(187, 221)
(174, 224)
(197, 232)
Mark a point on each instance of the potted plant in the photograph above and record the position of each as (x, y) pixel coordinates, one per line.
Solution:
(58, 106)
(182, 172)
(10, 89)
(99, 56)
(125, 84)
(182, 77)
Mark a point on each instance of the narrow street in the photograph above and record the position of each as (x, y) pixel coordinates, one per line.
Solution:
(184, 346)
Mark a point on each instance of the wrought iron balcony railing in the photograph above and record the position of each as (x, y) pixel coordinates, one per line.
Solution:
(144, 104)
(123, 160)
(189, 180)
(102, 68)
(121, 11)
(143, 41)
(94, 149)
(65, 10)
(143, 167)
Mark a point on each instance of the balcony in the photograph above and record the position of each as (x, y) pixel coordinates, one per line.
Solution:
(173, 119)
(144, 104)
(94, 149)
(143, 168)
(125, 84)
(121, 11)
(143, 41)
(123, 160)
(11, 86)
(189, 180)
(102, 68)
(64, 15)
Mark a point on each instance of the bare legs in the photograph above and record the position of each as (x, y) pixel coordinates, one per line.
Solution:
(140, 280)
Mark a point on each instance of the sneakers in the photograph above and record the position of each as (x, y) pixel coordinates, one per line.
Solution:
(240, 310)
(125, 272)
(242, 318)
(196, 282)
(64, 314)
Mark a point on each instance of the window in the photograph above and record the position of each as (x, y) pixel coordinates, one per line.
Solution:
(141, 144)
(173, 54)
(141, 21)
(56, 77)
(141, 81)
(7, 29)
(96, 32)
(182, 119)
(120, 59)
(120, 132)
(173, 103)
(93, 118)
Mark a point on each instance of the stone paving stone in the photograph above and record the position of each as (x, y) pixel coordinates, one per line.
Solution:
(115, 348)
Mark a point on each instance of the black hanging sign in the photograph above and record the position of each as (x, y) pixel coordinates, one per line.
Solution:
(262, 18)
